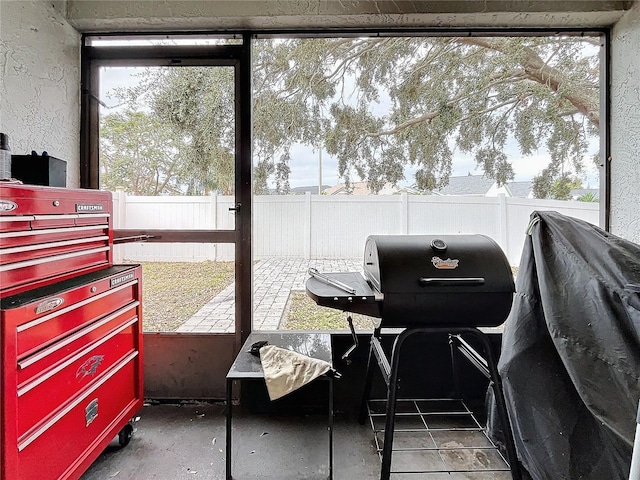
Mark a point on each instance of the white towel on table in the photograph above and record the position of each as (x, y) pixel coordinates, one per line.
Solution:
(286, 371)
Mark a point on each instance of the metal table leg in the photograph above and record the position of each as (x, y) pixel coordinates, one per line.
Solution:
(228, 429)
(330, 428)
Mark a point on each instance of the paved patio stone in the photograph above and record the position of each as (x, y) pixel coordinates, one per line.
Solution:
(274, 279)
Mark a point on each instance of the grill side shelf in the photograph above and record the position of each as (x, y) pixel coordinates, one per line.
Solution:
(363, 301)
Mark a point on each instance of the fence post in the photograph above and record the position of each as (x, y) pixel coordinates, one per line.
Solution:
(307, 225)
(121, 223)
(502, 226)
(404, 214)
(213, 204)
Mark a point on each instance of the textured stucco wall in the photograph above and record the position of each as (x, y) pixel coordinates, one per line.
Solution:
(625, 127)
(40, 82)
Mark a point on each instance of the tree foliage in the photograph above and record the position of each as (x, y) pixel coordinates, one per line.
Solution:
(139, 154)
(589, 197)
(380, 105)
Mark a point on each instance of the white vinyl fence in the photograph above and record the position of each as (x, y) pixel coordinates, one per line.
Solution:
(319, 227)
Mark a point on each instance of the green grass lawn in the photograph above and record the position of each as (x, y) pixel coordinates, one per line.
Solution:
(304, 314)
(173, 292)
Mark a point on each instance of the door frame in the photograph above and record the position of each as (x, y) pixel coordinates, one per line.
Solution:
(238, 56)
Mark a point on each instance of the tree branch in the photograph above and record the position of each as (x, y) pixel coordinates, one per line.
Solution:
(536, 70)
(398, 128)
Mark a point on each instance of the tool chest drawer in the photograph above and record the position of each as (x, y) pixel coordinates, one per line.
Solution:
(71, 373)
(47, 234)
(81, 301)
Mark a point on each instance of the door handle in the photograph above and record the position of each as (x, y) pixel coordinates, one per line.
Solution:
(236, 209)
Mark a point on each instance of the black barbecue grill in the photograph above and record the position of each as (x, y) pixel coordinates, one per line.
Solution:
(420, 280)
(425, 284)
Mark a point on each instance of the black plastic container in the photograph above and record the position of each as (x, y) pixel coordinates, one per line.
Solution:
(5, 157)
(37, 169)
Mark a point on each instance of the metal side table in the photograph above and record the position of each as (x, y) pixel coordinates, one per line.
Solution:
(247, 367)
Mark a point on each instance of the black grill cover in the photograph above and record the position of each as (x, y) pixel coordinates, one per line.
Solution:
(570, 360)
(461, 280)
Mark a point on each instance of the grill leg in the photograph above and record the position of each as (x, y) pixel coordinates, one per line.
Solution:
(392, 396)
(366, 391)
(454, 368)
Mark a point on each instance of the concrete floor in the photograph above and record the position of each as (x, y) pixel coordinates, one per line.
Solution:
(187, 442)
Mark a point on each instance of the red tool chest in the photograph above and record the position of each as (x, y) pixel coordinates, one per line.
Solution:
(48, 234)
(70, 333)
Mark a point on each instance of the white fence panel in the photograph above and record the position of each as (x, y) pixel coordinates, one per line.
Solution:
(431, 215)
(174, 213)
(312, 226)
(279, 226)
(341, 224)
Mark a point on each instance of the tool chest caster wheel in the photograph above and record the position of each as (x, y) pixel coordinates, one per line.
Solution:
(124, 437)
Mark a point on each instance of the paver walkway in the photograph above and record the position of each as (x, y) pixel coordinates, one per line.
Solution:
(274, 278)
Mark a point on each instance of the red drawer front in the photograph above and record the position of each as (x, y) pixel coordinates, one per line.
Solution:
(97, 350)
(15, 223)
(32, 238)
(59, 445)
(53, 221)
(21, 223)
(74, 310)
(29, 271)
(37, 200)
(11, 258)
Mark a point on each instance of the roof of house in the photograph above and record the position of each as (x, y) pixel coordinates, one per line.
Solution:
(359, 188)
(309, 188)
(467, 185)
(478, 185)
(520, 189)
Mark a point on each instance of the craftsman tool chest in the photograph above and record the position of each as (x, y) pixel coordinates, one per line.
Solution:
(70, 332)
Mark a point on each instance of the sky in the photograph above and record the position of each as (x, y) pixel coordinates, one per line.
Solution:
(304, 166)
(304, 162)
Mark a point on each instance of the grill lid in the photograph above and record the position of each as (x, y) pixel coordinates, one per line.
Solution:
(423, 264)
(460, 280)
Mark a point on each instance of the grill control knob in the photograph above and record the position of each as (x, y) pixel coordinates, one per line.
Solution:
(438, 244)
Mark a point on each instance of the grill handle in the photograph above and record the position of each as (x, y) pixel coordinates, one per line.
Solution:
(451, 282)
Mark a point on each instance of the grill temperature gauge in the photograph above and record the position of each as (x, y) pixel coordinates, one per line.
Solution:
(438, 244)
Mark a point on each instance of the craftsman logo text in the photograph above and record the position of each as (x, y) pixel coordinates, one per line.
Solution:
(84, 207)
(120, 280)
